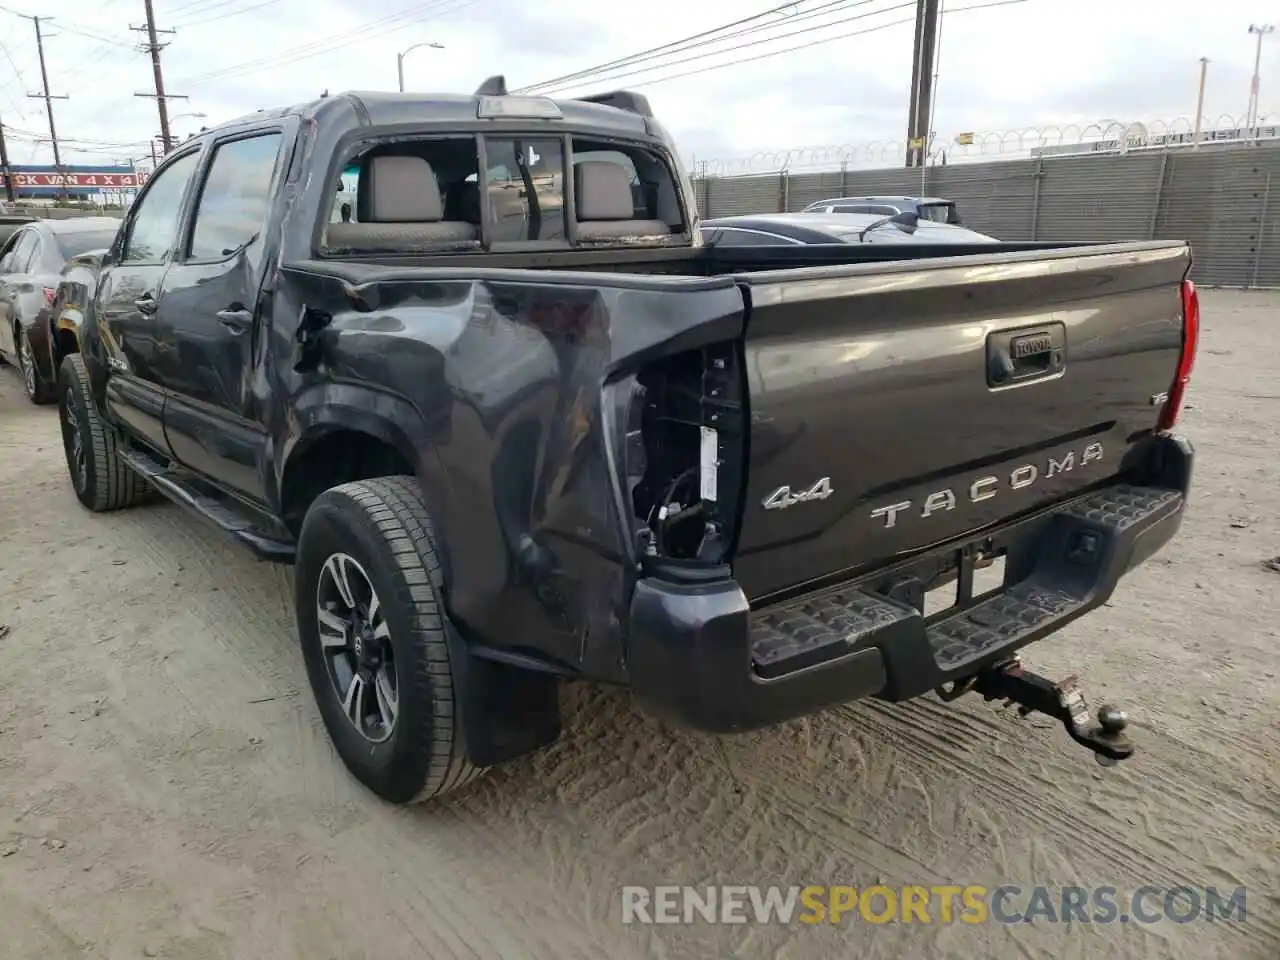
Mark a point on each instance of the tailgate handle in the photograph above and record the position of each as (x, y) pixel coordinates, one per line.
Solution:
(1015, 356)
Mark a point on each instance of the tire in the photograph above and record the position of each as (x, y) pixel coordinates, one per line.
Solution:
(37, 390)
(379, 533)
(101, 480)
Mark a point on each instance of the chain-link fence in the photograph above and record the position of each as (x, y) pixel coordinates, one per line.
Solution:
(1222, 201)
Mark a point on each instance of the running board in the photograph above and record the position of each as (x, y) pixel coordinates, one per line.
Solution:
(224, 511)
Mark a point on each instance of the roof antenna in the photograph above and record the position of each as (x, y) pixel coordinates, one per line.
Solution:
(495, 86)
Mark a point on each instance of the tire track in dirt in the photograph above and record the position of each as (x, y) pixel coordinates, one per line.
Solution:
(295, 858)
(1108, 843)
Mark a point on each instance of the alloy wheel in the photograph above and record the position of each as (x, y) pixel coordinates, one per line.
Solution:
(355, 641)
(74, 440)
(28, 364)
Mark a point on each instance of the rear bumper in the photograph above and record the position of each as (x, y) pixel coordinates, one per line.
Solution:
(699, 655)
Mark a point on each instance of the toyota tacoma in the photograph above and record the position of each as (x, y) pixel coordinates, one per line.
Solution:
(466, 362)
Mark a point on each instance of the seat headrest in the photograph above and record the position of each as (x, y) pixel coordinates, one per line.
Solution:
(404, 190)
(602, 190)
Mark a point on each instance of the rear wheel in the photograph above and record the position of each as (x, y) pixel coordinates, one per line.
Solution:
(101, 480)
(373, 634)
(38, 391)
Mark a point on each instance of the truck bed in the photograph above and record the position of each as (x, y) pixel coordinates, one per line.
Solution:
(894, 378)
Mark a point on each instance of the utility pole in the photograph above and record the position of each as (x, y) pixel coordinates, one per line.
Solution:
(4, 164)
(921, 109)
(153, 47)
(1261, 31)
(48, 99)
(1204, 73)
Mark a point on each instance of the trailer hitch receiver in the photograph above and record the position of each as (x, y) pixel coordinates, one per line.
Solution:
(1032, 693)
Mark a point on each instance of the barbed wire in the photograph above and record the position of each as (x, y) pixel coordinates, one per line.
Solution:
(971, 146)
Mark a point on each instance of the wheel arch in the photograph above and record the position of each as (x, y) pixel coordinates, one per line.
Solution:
(64, 339)
(342, 432)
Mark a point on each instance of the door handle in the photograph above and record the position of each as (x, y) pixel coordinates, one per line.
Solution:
(1023, 355)
(235, 320)
(146, 304)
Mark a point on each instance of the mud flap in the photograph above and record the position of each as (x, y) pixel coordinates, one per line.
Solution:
(506, 710)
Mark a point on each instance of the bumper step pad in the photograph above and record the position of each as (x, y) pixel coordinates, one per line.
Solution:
(787, 639)
(996, 623)
(1078, 555)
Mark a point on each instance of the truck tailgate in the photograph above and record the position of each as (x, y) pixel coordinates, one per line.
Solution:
(899, 406)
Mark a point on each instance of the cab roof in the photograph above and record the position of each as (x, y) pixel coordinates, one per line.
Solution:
(382, 108)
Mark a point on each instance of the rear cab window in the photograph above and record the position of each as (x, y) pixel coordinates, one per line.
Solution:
(507, 191)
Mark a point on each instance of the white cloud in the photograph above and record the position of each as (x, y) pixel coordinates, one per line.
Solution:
(1030, 63)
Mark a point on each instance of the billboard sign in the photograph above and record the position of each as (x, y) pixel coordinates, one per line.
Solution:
(49, 181)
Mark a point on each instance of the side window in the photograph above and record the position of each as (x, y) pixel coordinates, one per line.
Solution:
(155, 221)
(6, 253)
(735, 237)
(235, 197)
(23, 252)
(525, 180)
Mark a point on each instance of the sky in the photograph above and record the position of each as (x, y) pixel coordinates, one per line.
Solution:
(840, 80)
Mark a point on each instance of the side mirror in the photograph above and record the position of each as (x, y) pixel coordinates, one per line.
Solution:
(908, 220)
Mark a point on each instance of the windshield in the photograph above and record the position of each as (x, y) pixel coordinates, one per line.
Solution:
(939, 212)
(74, 244)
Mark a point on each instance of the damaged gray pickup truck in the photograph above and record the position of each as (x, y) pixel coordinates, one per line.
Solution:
(466, 362)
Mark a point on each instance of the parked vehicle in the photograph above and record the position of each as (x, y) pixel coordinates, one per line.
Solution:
(31, 263)
(506, 449)
(10, 223)
(933, 209)
(773, 228)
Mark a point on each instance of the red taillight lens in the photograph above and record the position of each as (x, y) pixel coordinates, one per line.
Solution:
(50, 295)
(1186, 361)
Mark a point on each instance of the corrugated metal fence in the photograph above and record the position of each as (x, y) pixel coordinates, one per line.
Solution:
(1226, 202)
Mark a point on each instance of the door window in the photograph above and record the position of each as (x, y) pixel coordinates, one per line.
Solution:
(6, 255)
(24, 252)
(235, 198)
(155, 221)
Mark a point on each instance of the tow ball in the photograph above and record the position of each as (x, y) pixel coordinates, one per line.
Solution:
(1032, 693)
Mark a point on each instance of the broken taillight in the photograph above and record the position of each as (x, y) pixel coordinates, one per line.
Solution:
(1186, 360)
(50, 295)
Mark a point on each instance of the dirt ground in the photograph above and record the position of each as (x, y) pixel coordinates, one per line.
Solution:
(167, 790)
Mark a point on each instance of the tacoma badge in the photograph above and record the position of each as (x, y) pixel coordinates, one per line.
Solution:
(984, 488)
(782, 498)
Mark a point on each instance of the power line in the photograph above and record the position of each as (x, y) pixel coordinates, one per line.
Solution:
(742, 46)
(91, 35)
(365, 32)
(813, 43)
(4, 48)
(226, 16)
(674, 46)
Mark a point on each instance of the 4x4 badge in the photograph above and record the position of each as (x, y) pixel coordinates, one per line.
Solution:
(782, 498)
